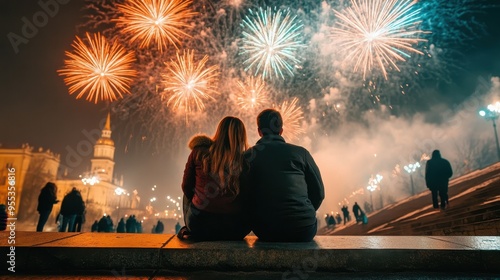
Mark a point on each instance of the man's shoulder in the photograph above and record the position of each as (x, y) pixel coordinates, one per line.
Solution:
(275, 145)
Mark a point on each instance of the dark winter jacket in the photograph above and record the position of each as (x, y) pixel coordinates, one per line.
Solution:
(284, 184)
(72, 204)
(437, 172)
(202, 188)
(121, 226)
(356, 209)
(46, 199)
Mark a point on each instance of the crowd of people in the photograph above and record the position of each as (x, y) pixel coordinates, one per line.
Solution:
(230, 189)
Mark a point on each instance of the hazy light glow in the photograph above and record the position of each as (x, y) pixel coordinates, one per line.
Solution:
(251, 94)
(190, 82)
(159, 22)
(495, 107)
(374, 182)
(90, 180)
(99, 69)
(377, 33)
(120, 191)
(271, 40)
(492, 111)
(410, 168)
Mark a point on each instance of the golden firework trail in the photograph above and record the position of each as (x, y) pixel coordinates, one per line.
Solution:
(98, 69)
(292, 115)
(159, 22)
(251, 94)
(190, 82)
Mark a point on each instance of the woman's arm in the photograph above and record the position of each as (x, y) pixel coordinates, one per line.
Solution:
(189, 178)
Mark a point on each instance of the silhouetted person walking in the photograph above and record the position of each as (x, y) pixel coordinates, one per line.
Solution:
(338, 218)
(437, 173)
(177, 227)
(331, 222)
(111, 226)
(130, 224)
(72, 205)
(95, 226)
(159, 227)
(79, 221)
(105, 224)
(345, 212)
(46, 200)
(120, 228)
(357, 212)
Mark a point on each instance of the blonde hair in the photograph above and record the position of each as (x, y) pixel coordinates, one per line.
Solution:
(224, 160)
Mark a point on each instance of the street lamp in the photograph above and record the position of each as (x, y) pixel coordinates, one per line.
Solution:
(411, 168)
(89, 180)
(373, 185)
(119, 191)
(491, 113)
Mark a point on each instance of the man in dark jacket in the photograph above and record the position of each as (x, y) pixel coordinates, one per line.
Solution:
(46, 201)
(437, 173)
(283, 185)
(72, 205)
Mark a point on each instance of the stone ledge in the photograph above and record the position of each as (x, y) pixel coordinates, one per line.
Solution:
(68, 252)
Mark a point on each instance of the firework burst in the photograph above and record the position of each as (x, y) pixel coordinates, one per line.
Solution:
(158, 21)
(251, 94)
(99, 69)
(378, 33)
(292, 115)
(271, 41)
(189, 82)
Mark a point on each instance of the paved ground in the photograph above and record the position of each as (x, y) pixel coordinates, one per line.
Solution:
(120, 255)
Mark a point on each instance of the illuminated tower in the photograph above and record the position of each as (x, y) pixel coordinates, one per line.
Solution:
(102, 163)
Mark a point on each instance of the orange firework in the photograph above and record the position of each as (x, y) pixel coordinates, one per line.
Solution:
(160, 21)
(292, 115)
(252, 93)
(100, 69)
(190, 82)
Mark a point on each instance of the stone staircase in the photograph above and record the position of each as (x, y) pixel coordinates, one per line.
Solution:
(474, 211)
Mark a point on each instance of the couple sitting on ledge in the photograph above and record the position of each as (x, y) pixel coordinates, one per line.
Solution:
(272, 189)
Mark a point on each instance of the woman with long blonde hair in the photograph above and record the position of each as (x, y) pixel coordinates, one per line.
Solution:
(211, 184)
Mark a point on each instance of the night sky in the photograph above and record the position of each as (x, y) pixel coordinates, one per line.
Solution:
(35, 106)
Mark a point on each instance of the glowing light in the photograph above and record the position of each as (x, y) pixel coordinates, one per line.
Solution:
(120, 191)
(377, 33)
(189, 82)
(292, 115)
(494, 107)
(155, 21)
(374, 182)
(271, 40)
(90, 180)
(251, 94)
(101, 70)
(410, 168)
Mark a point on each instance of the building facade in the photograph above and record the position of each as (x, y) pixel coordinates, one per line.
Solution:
(103, 193)
(32, 170)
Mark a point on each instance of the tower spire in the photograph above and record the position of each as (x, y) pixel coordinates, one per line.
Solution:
(104, 149)
(107, 126)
